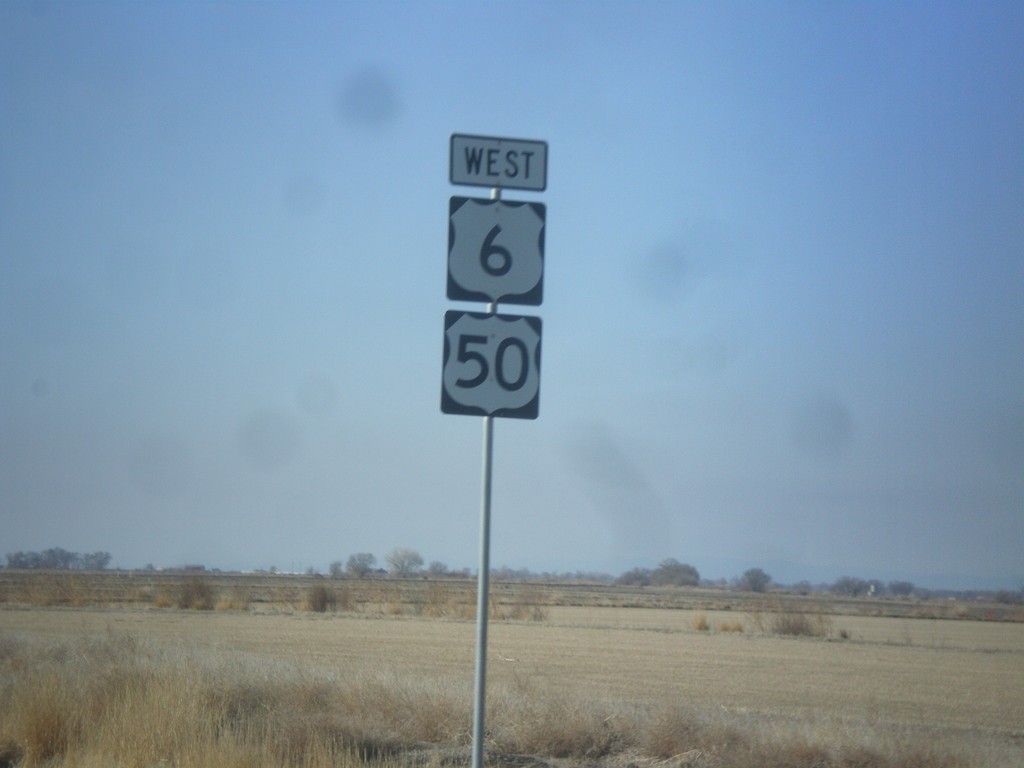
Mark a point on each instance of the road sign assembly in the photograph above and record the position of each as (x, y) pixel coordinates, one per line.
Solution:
(495, 254)
(491, 362)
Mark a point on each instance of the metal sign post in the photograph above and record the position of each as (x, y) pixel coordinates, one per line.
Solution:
(483, 588)
(491, 364)
(483, 578)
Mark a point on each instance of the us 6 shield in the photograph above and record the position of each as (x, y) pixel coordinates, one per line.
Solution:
(491, 365)
(495, 251)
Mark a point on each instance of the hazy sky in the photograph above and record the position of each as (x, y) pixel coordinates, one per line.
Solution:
(783, 322)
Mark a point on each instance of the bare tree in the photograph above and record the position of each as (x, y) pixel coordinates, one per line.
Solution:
(96, 561)
(901, 588)
(671, 571)
(850, 585)
(58, 558)
(360, 564)
(403, 561)
(640, 577)
(754, 580)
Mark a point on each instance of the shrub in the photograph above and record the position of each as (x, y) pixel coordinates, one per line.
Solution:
(793, 623)
(700, 623)
(196, 594)
(320, 599)
(800, 624)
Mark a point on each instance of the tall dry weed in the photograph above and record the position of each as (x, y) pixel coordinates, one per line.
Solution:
(675, 730)
(792, 623)
(42, 722)
(109, 702)
(321, 598)
(389, 597)
(556, 724)
(799, 624)
(112, 700)
(442, 600)
(196, 593)
(388, 709)
(236, 599)
(66, 589)
(521, 605)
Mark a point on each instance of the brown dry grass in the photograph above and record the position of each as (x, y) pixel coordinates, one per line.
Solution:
(268, 592)
(608, 686)
(269, 679)
(116, 700)
(733, 625)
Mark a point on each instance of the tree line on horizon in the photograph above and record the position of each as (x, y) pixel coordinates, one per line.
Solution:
(406, 562)
(58, 559)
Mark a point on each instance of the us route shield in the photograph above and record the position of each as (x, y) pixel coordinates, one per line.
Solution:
(495, 251)
(491, 365)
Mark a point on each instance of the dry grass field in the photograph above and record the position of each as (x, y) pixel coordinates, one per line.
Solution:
(381, 673)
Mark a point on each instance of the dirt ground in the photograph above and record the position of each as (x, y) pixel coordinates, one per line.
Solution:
(954, 674)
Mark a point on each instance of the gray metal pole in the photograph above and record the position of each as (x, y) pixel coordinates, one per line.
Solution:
(483, 588)
(483, 579)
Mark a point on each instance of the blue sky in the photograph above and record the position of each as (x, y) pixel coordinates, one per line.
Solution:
(782, 315)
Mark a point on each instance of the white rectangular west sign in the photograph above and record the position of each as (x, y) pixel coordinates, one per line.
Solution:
(489, 161)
